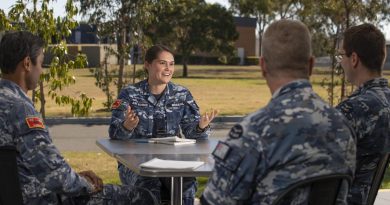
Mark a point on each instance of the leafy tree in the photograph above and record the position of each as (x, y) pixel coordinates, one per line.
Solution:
(39, 20)
(191, 26)
(327, 19)
(123, 21)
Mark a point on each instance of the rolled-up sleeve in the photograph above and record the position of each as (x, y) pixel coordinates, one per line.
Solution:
(42, 158)
(116, 129)
(190, 120)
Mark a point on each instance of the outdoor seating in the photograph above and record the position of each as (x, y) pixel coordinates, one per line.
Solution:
(379, 174)
(324, 190)
(10, 192)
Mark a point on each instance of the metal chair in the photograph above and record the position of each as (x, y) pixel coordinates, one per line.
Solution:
(324, 190)
(10, 192)
(379, 174)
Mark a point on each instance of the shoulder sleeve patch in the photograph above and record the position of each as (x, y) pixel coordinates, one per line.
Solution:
(236, 132)
(221, 150)
(35, 122)
(116, 104)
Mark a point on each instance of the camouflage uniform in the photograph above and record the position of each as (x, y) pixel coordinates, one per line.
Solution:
(44, 175)
(175, 110)
(296, 136)
(368, 111)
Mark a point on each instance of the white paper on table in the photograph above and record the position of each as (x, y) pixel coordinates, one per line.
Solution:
(172, 140)
(157, 163)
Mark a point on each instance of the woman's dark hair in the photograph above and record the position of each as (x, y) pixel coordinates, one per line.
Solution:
(15, 46)
(154, 51)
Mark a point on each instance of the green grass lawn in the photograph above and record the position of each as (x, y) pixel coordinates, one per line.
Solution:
(233, 90)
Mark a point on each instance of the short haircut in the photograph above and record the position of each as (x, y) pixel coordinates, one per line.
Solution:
(15, 46)
(153, 52)
(286, 48)
(369, 43)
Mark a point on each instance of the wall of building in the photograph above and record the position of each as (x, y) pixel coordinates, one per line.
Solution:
(247, 40)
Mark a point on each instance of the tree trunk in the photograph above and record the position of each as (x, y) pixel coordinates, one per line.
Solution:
(134, 67)
(107, 84)
(343, 81)
(122, 53)
(42, 99)
(334, 64)
(185, 69)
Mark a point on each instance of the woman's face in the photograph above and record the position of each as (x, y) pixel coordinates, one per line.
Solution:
(161, 69)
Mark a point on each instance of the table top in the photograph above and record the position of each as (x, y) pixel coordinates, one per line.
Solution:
(132, 154)
(119, 147)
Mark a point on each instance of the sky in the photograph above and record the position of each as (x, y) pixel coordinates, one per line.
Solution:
(59, 9)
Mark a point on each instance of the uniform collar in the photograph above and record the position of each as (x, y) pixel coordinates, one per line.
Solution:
(376, 82)
(15, 88)
(145, 87)
(296, 84)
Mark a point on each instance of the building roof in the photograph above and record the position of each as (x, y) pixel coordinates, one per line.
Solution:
(245, 21)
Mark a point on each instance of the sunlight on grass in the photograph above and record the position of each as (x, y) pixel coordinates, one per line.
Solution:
(233, 90)
(102, 164)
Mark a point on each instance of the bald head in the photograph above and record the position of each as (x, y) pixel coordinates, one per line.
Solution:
(286, 49)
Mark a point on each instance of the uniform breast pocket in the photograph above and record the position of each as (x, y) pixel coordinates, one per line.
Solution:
(228, 166)
(174, 113)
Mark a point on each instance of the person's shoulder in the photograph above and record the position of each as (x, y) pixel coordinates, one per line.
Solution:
(133, 88)
(177, 88)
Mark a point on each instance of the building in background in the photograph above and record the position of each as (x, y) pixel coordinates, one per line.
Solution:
(247, 44)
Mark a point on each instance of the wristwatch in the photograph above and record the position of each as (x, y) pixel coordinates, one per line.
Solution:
(199, 130)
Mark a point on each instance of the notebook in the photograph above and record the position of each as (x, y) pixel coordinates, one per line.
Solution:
(157, 163)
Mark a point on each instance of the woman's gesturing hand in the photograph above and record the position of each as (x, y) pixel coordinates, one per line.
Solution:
(131, 119)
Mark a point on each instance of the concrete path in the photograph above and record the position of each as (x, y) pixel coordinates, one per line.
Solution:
(76, 137)
(383, 197)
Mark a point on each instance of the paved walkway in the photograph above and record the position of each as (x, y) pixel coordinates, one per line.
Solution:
(383, 197)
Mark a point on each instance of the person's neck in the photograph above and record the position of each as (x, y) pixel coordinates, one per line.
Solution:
(276, 83)
(157, 89)
(366, 76)
(16, 79)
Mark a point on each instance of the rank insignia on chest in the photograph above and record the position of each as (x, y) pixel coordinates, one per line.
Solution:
(116, 104)
(35, 122)
(236, 132)
(221, 150)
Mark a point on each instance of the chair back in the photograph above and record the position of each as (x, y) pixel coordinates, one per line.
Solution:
(378, 177)
(324, 190)
(10, 192)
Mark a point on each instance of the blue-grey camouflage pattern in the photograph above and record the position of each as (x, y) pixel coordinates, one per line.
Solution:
(44, 175)
(368, 112)
(295, 137)
(175, 111)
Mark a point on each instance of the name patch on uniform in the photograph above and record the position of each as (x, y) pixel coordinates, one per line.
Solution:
(236, 132)
(221, 150)
(116, 104)
(35, 122)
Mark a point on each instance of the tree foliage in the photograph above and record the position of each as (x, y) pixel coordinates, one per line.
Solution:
(190, 26)
(37, 18)
(326, 19)
(123, 21)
